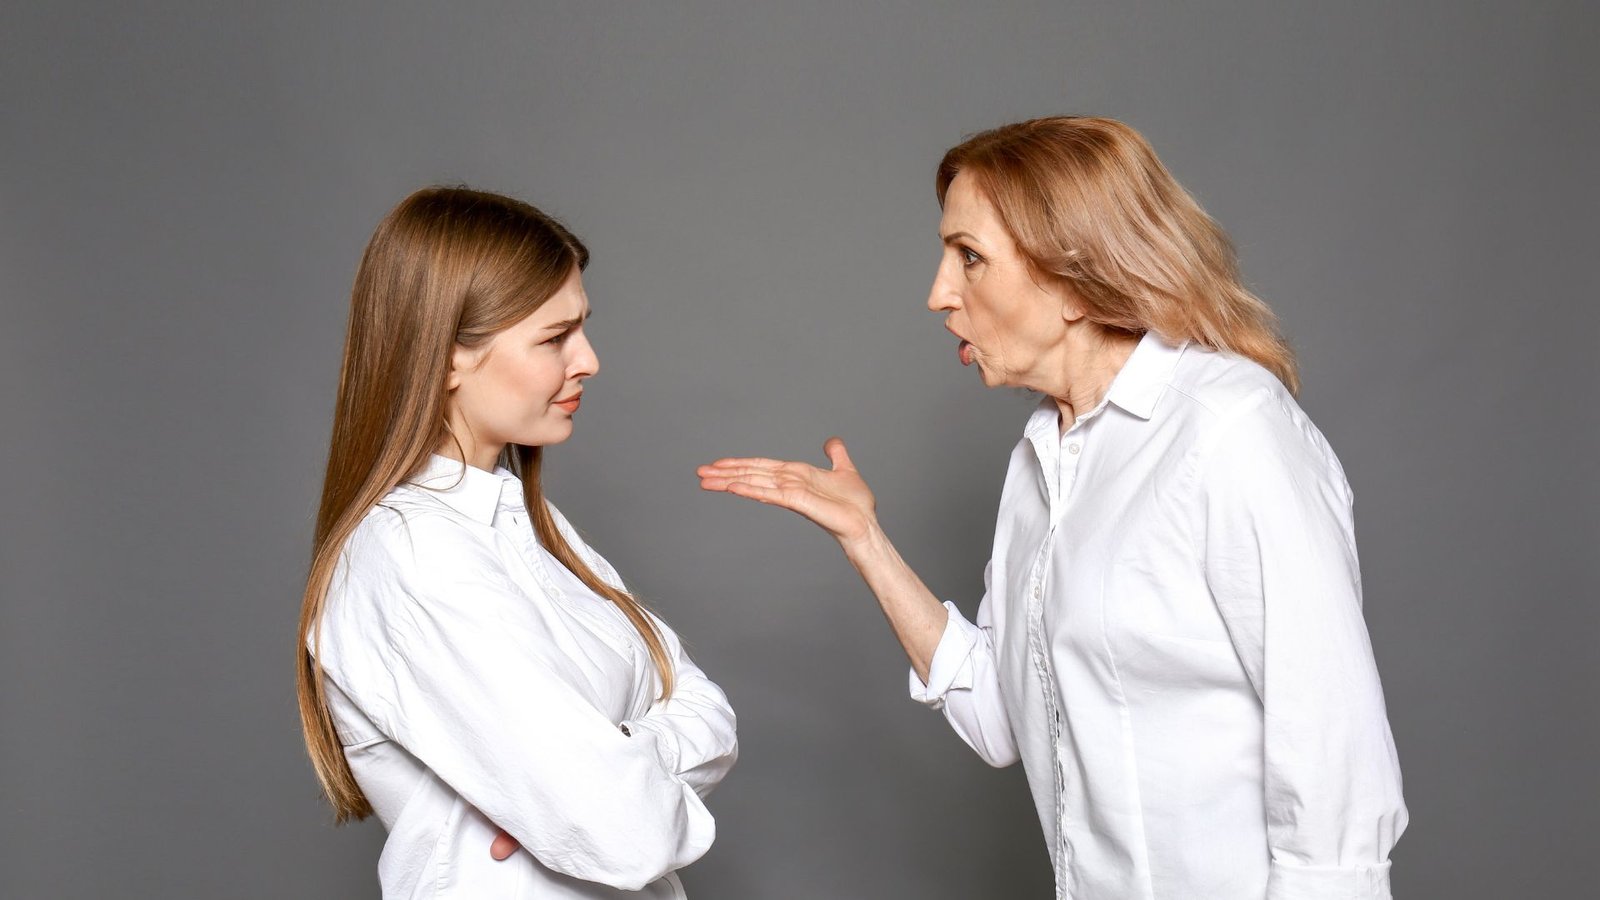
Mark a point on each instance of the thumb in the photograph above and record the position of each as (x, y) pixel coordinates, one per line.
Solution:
(838, 455)
(504, 845)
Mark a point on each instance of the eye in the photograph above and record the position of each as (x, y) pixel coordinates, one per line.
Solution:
(968, 258)
(559, 339)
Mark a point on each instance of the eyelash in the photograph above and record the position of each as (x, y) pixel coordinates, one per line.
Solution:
(968, 258)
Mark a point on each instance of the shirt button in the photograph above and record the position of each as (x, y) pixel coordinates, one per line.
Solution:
(1073, 449)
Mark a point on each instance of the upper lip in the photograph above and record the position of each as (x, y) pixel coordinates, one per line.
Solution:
(570, 399)
(952, 330)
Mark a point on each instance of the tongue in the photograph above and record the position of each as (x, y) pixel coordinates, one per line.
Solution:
(965, 350)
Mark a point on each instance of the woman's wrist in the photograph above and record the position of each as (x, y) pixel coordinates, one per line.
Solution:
(869, 543)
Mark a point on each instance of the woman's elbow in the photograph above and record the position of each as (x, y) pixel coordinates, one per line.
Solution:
(653, 853)
(998, 755)
(637, 855)
(705, 777)
(988, 735)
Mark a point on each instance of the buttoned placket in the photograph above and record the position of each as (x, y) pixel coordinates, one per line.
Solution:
(1059, 456)
(511, 520)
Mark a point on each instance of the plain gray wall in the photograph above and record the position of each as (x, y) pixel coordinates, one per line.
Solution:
(184, 192)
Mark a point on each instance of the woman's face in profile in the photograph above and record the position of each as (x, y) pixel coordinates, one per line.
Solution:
(521, 386)
(1010, 326)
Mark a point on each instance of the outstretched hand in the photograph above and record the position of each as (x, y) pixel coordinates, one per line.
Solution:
(837, 499)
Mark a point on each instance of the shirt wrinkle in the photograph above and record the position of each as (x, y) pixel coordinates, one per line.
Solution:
(1170, 639)
(479, 684)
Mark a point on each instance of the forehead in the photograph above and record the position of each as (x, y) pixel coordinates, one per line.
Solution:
(967, 209)
(569, 301)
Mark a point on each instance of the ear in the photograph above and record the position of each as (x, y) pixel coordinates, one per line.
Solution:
(1072, 307)
(462, 360)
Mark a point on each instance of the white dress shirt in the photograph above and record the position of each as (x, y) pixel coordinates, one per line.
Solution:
(475, 682)
(1171, 641)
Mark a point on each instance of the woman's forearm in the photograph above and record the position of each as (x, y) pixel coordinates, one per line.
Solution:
(840, 502)
(915, 615)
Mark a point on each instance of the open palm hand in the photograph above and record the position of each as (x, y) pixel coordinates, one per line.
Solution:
(837, 499)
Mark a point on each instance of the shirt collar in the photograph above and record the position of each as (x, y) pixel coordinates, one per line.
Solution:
(1135, 389)
(468, 490)
(1145, 375)
(1045, 422)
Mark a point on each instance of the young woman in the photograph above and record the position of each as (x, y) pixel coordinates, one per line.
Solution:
(468, 663)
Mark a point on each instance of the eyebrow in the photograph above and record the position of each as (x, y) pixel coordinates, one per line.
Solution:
(955, 236)
(564, 324)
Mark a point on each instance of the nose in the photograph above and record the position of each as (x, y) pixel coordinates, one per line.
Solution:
(943, 296)
(584, 362)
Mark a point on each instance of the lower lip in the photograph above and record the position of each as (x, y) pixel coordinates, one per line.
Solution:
(965, 352)
(571, 406)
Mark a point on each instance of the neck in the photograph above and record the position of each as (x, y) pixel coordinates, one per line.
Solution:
(1093, 357)
(468, 451)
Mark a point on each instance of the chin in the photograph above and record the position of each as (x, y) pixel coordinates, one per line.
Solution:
(997, 378)
(549, 435)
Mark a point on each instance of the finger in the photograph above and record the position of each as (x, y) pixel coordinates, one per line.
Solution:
(504, 845)
(759, 476)
(768, 495)
(758, 479)
(717, 480)
(838, 455)
(761, 462)
(749, 471)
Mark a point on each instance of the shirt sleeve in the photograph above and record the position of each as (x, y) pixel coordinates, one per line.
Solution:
(1280, 558)
(451, 660)
(695, 728)
(964, 684)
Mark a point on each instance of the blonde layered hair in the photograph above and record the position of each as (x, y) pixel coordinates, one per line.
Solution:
(1088, 202)
(447, 266)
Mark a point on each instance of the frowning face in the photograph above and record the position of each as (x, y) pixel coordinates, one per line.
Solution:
(522, 385)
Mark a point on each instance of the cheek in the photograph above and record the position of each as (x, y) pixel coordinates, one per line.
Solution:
(1007, 319)
(976, 308)
(993, 316)
(526, 385)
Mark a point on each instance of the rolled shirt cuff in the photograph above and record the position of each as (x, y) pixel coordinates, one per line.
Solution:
(951, 668)
(1288, 881)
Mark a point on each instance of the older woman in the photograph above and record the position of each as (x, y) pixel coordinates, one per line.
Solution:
(1171, 638)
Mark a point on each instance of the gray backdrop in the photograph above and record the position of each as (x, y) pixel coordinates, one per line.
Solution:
(184, 192)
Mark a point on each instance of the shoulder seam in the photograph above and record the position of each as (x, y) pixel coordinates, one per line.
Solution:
(1191, 397)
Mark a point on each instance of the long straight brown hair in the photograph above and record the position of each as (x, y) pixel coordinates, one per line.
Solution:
(447, 266)
(1087, 201)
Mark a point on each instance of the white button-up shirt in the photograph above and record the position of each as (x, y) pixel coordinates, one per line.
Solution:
(475, 682)
(1171, 641)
